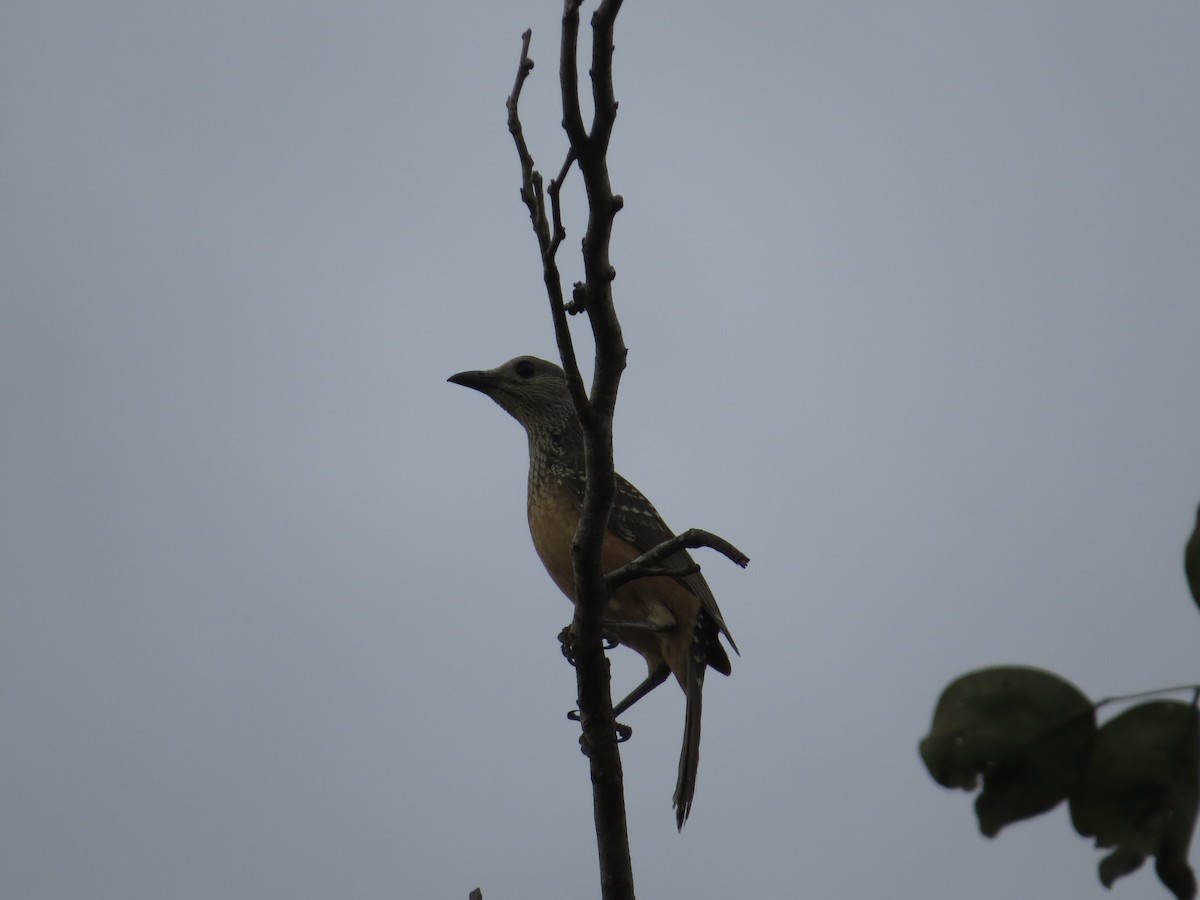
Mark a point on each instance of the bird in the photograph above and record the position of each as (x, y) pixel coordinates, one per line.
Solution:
(672, 620)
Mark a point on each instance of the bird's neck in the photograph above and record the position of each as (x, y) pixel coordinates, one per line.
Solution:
(554, 451)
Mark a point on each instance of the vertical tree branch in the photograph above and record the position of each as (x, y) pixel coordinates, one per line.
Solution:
(568, 74)
(592, 671)
(603, 22)
(588, 150)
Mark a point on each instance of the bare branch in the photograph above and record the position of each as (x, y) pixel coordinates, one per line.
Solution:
(555, 206)
(603, 21)
(591, 591)
(1126, 698)
(647, 564)
(529, 176)
(568, 74)
(595, 413)
(653, 571)
(548, 242)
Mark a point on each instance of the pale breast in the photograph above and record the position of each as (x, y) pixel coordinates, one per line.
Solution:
(553, 518)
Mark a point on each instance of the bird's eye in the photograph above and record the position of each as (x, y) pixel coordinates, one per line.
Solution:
(524, 369)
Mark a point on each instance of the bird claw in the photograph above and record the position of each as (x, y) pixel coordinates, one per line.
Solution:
(567, 644)
(624, 732)
(566, 640)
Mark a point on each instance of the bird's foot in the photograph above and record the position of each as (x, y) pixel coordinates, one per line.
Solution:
(566, 640)
(623, 732)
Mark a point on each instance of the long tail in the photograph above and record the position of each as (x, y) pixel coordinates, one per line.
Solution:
(689, 756)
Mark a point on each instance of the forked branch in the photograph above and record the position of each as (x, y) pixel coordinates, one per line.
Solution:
(549, 230)
(587, 150)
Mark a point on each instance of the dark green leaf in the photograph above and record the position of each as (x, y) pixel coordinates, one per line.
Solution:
(1191, 561)
(1140, 793)
(1026, 731)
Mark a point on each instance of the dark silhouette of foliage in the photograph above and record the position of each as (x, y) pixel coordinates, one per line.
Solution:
(1133, 784)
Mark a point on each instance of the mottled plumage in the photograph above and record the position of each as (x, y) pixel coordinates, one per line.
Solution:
(682, 608)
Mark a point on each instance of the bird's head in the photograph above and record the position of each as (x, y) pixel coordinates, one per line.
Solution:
(532, 390)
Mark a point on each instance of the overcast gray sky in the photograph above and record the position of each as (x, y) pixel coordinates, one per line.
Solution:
(911, 296)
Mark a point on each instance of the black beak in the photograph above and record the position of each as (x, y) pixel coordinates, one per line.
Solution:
(480, 381)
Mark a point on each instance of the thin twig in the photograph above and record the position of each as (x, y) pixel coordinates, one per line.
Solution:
(548, 242)
(555, 207)
(1125, 698)
(647, 564)
(658, 572)
(1015, 754)
(529, 194)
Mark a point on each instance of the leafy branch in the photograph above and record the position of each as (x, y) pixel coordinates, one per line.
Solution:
(1133, 784)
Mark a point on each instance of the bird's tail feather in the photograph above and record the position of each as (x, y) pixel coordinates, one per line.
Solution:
(689, 756)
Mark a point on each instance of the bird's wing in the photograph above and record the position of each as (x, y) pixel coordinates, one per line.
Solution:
(635, 520)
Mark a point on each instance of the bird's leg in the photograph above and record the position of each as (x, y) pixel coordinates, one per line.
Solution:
(653, 680)
(624, 732)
